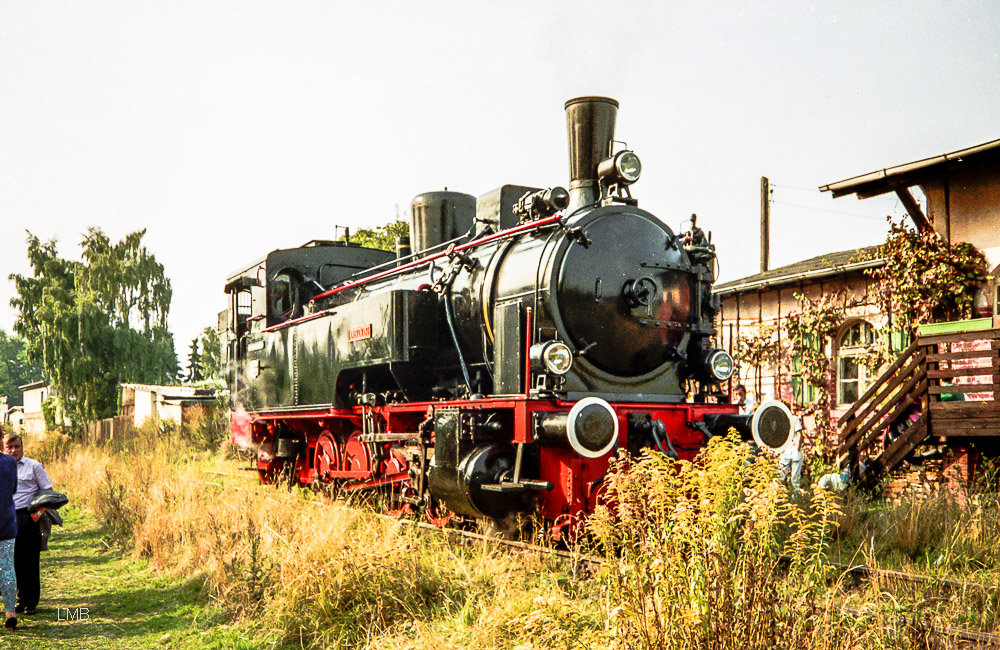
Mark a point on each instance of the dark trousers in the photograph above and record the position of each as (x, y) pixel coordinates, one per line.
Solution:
(27, 549)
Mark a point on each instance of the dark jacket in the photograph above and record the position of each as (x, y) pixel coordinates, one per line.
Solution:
(8, 486)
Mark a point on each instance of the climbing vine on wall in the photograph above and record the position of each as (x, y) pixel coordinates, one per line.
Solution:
(879, 352)
(810, 333)
(757, 351)
(925, 279)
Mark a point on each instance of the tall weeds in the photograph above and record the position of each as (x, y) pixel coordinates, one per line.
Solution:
(712, 554)
(320, 576)
(932, 534)
(697, 552)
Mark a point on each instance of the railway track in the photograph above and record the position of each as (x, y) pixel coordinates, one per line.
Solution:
(594, 563)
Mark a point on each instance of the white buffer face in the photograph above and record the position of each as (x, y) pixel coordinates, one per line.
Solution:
(771, 426)
(592, 427)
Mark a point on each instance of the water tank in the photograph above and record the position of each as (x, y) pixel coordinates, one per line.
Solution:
(437, 217)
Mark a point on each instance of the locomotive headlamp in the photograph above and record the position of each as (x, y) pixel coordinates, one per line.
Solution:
(623, 168)
(719, 365)
(554, 357)
(772, 426)
(557, 358)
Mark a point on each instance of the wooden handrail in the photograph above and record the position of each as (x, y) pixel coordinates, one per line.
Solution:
(957, 337)
(900, 408)
(886, 385)
(888, 406)
(917, 375)
(896, 365)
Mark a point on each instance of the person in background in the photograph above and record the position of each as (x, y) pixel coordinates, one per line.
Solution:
(8, 530)
(31, 478)
(740, 399)
(790, 464)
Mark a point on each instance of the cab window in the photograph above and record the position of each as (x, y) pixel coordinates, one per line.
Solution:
(286, 300)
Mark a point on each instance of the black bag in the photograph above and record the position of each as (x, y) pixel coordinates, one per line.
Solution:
(45, 523)
(48, 499)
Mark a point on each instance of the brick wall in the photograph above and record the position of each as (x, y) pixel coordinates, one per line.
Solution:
(951, 473)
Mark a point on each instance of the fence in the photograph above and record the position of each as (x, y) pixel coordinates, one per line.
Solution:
(107, 429)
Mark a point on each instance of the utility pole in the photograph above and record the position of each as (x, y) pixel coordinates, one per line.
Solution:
(765, 224)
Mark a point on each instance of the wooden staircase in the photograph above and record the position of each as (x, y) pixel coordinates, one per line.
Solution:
(930, 378)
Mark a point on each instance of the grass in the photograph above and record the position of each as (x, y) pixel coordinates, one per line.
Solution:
(166, 537)
(290, 570)
(934, 535)
(118, 602)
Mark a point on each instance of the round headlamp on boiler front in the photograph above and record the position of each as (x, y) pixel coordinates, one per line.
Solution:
(554, 357)
(719, 365)
(623, 168)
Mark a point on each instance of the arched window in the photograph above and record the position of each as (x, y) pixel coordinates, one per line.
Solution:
(852, 378)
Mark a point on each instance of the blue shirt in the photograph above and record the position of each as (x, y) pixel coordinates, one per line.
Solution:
(31, 478)
(8, 486)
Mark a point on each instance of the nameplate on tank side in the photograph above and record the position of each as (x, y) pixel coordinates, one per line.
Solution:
(359, 333)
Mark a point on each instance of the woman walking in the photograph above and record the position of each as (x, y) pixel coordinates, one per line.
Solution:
(8, 531)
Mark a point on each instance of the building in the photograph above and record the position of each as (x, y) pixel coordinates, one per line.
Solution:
(759, 306)
(32, 417)
(183, 405)
(962, 191)
(15, 418)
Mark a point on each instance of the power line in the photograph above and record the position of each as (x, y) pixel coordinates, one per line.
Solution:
(815, 190)
(809, 207)
(793, 187)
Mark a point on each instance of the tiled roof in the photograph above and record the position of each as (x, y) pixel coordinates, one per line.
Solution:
(817, 267)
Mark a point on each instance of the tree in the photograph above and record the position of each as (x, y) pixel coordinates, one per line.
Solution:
(194, 372)
(96, 323)
(382, 237)
(211, 353)
(15, 368)
(204, 356)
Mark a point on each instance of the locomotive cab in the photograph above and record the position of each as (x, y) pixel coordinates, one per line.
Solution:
(274, 291)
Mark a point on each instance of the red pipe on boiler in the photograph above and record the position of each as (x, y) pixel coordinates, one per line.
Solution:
(527, 353)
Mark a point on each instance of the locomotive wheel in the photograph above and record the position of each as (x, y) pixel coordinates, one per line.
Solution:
(266, 475)
(404, 510)
(357, 457)
(267, 466)
(327, 458)
(395, 463)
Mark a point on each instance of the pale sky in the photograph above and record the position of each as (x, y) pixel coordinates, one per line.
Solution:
(229, 129)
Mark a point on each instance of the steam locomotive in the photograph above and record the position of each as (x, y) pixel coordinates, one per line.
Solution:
(493, 369)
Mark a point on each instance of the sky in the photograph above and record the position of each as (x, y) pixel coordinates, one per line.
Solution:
(230, 129)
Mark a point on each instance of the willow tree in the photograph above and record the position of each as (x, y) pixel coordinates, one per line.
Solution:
(97, 322)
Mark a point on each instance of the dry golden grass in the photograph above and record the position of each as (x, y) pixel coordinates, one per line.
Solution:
(693, 552)
(313, 574)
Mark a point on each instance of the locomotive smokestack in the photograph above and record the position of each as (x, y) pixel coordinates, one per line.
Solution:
(590, 122)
